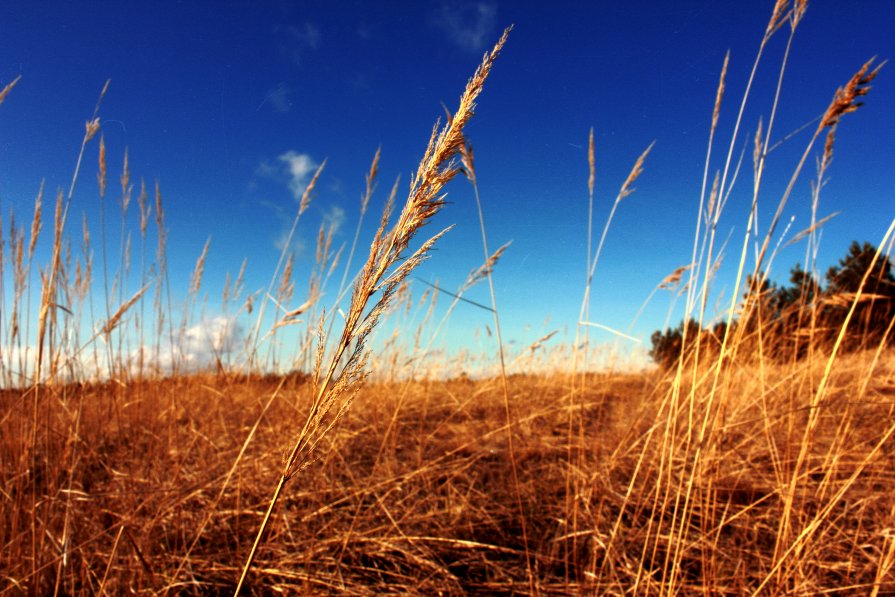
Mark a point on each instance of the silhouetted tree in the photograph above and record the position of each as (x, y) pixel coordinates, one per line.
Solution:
(667, 346)
(804, 288)
(847, 276)
(876, 307)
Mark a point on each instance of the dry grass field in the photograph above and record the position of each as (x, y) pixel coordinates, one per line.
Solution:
(731, 470)
(159, 487)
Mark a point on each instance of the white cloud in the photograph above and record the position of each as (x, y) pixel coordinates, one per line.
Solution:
(469, 25)
(200, 346)
(300, 167)
(196, 348)
(296, 40)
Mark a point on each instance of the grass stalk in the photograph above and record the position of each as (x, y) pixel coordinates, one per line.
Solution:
(386, 268)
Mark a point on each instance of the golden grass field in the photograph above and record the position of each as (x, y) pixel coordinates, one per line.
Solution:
(415, 492)
(729, 472)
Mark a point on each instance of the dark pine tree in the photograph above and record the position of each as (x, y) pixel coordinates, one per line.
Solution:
(876, 308)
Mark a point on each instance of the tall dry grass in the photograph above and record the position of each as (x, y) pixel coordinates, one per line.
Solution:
(124, 468)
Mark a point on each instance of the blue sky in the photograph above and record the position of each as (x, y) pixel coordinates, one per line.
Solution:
(229, 105)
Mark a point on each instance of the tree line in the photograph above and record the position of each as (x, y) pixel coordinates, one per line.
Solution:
(786, 321)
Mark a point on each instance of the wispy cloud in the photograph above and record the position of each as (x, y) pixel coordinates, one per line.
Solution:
(298, 245)
(300, 167)
(291, 168)
(469, 25)
(333, 218)
(279, 99)
(296, 40)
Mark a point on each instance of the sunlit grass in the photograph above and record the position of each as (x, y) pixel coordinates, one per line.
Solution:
(300, 461)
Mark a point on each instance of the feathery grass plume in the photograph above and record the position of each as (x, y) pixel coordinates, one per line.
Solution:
(539, 343)
(713, 201)
(433, 300)
(113, 321)
(159, 212)
(125, 183)
(758, 153)
(291, 317)
(85, 234)
(36, 223)
(636, 171)
(778, 16)
(145, 208)
(127, 255)
(845, 100)
(91, 127)
(306, 196)
(196, 277)
(803, 233)
(334, 260)
(674, 278)
(798, 13)
(240, 278)
(719, 94)
(17, 247)
(483, 271)
(287, 286)
(386, 268)
(321, 236)
(225, 293)
(8, 88)
(101, 173)
(591, 161)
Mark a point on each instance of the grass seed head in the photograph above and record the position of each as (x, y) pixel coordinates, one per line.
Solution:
(636, 171)
(196, 277)
(778, 16)
(846, 99)
(719, 94)
(91, 127)
(101, 174)
(36, 222)
(591, 162)
(8, 88)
